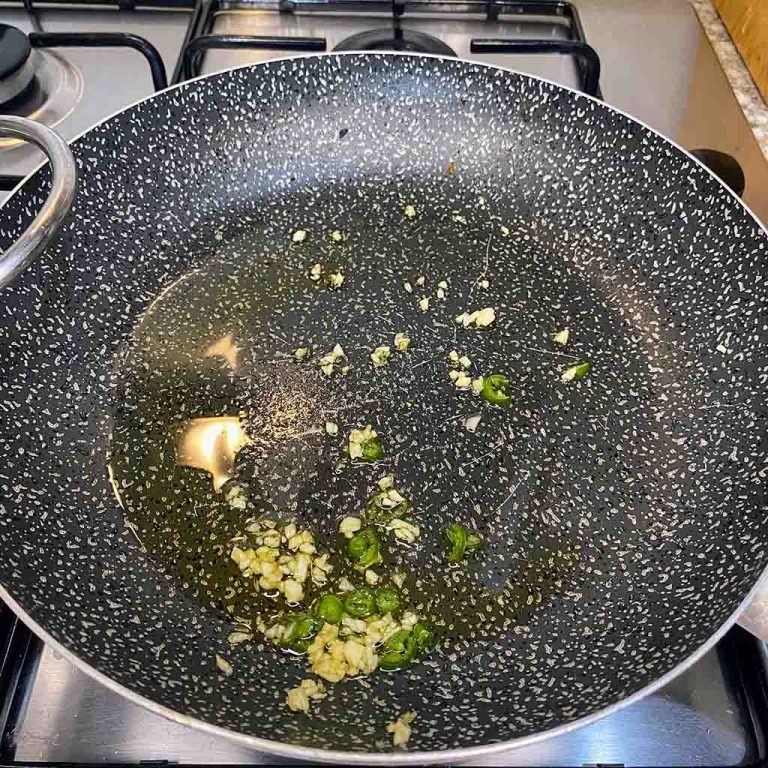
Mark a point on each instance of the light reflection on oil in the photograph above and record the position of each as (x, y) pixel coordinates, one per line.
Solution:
(211, 444)
(226, 348)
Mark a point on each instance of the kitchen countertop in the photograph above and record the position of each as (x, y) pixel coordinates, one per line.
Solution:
(749, 97)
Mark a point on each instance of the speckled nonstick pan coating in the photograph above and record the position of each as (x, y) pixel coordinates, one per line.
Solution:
(651, 469)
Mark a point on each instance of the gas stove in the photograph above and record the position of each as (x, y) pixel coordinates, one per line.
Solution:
(71, 65)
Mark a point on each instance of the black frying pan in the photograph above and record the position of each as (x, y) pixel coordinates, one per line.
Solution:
(623, 513)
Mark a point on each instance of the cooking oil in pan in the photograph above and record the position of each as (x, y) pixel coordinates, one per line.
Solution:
(212, 396)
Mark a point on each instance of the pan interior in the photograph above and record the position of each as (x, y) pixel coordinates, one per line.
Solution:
(214, 355)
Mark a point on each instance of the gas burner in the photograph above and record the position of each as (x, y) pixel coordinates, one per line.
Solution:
(395, 40)
(49, 95)
(16, 63)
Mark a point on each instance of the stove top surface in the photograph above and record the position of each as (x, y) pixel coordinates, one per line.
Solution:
(713, 714)
(97, 81)
(658, 65)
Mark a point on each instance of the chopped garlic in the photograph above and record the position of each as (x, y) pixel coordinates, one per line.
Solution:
(380, 356)
(316, 272)
(402, 342)
(484, 284)
(298, 698)
(409, 211)
(420, 281)
(453, 375)
(459, 219)
(562, 337)
(235, 497)
(504, 230)
(464, 319)
(331, 427)
(424, 304)
(349, 526)
(328, 363)
(345, 585)
(401, 729)
(443, 284)
(408, 287)
(403, 530)
(336, 279)
(394, 496)
(274, 633)
(440, 293)
(276, 570)
(462, 380)
(480, 318)
(485, 317)
(301, 352)
(386, 482)
(357, 437)
(333, 659)
(409, 619)
(453, 356)
(371, 577)
(235, 638)
(337, 236)
(224, 666)
(293, 591)
(398, 579)
(356, 626)
(320, 569)
(465, 362)
(477, 385)
(299, 236)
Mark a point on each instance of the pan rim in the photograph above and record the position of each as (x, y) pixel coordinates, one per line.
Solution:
(433, 757)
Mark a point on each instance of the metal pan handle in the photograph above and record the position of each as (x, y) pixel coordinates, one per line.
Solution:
(18, 256)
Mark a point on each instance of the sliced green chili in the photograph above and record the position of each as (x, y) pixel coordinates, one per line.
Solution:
(460, 542)
(577, 371)
(372, 450)
(301, 630)
(363, 549)
(360, 603)
(399, 651)
(423, 636)
(455, 536)
(496, 389)
(387, 600)
(329, 608)
(474, 542)
(356, 546)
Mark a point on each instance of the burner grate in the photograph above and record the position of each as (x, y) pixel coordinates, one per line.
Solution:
(199, 38)
(106, 40)
(47, 42)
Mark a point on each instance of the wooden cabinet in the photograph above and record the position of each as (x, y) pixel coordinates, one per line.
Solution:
(747, 23)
